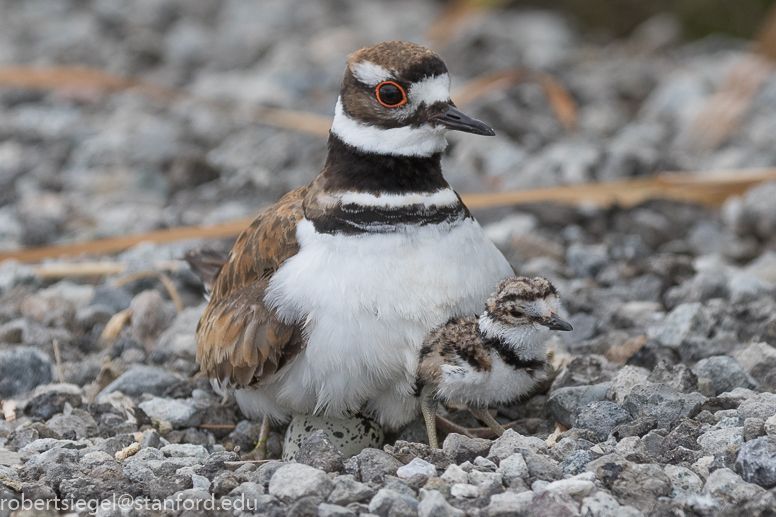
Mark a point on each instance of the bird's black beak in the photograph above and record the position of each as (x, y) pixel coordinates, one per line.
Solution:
(456, 120)
(555, 322)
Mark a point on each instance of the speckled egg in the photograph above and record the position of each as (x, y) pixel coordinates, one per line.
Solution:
(350, 435)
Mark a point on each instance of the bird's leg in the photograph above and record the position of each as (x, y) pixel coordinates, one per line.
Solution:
(485, 416)
(428, 404)
(260, 451)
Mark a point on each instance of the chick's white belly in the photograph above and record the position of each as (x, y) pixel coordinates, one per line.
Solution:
(367, 302)
(462, 384)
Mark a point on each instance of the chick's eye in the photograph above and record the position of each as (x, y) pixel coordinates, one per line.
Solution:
(390, 94)
(516, 312)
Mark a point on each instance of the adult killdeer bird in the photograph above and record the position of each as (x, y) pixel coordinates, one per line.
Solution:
(494, 359)
(324, 301)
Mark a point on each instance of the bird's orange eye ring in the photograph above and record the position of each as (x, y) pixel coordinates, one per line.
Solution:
(387, 97)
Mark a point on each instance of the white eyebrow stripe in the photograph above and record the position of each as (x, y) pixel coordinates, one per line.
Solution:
(442, 198)
(431, 89)
(370, 74)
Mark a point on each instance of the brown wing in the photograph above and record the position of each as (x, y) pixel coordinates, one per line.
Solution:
(239, 340)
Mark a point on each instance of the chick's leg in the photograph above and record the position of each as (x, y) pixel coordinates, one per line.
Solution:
(428, 404)
(485, 416)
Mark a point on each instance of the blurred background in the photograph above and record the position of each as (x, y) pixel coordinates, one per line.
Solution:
(123, 117)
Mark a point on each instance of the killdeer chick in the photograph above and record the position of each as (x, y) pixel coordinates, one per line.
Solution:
(494, 359)
(324, 301)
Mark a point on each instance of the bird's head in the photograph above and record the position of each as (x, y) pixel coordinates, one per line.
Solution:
(527, 304)
(395, 99)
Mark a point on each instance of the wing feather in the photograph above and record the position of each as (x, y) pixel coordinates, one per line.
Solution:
(239, 340)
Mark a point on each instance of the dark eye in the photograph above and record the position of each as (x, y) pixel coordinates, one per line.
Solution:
(390, 94)
(516, 312)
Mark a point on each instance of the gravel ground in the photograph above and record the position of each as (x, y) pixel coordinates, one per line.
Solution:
(664, 387)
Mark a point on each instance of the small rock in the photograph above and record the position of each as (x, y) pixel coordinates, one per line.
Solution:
(601, 418)
(389, 503)
(317, 451)
(715, 440)
(332, 510)
(662, 403)
(455, 474)
(462, 448)
(678, 377)
(602, 504)
(541, 467)
(177, 413)
(510, 504)
(636, 485)
(761, 405)
(759, 359)
(435, 505)
(632, 449)
(347, 490)
(756, 461)
(513, 469)
(294, 480)
(725, 372)
(22, 369)
(142, 379)
(511, 442)
(587, 260)
(753, 428)
(50, 403)
(685, 321)
(150, 316)
(372, 465)
(415, 467)
(684, 481)
(623, 383)
(465, 491)
(565, 403)
(185, 450)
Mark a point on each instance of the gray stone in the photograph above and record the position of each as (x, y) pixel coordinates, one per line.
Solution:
(510, 504)
(185, 450)
(684, 482)
(513, 469)
(9, 458)
(587, 260)
(332, 510)
(22, 369)
(685, 321)
(71, 426)
(753, 428)
(178, 413)
(716, 440)
(632, 449)
(624, 382)
(317, 451)
(387, 503)
(662, 403)
(371, 466)
(677, 377)
(576, 462)
(756, 462)
(565, 403)
(488, 482)
(601, 417)
(347, 490)
(416, 467)
(455, 474)
(725, 372)
(602, 504)
(761, 405)
(727, 485)
(759, 359)
(511, 442)
(294, 480)
(435, 505)
(462, 448)
(541, 467)
(632, 484)
(142, 379)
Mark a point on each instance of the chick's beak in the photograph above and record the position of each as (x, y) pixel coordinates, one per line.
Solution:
(555, 322)
(456, 120)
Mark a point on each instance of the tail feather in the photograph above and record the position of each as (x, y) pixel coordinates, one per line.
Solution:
(206, 264)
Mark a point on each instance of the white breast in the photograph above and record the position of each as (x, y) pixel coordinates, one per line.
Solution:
(462, 384)
(367, 301)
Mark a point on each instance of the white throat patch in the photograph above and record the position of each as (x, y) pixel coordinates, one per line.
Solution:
(444, 197)
(398, 141)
